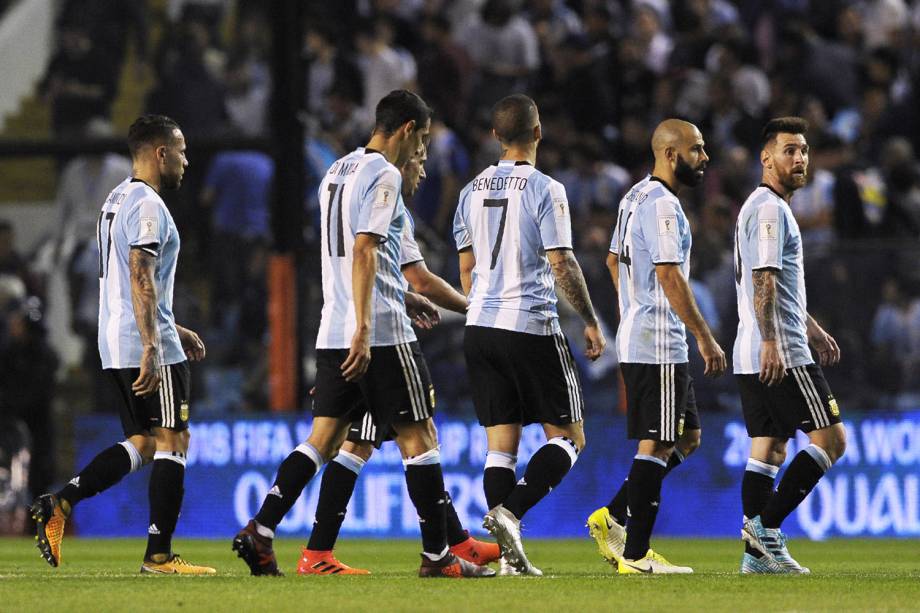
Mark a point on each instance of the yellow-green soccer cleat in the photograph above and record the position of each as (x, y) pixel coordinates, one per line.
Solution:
(652, 564)
(175, 565)
(608, 534)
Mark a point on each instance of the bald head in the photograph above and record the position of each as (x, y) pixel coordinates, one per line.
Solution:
(678, 149)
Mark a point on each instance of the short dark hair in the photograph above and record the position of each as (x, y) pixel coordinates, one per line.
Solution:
(513, 119)
(398, 107)
(150, 130)
(782, 125)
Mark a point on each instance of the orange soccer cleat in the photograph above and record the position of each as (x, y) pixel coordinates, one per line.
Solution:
(324, 563)
(49, 527)
(477, 552)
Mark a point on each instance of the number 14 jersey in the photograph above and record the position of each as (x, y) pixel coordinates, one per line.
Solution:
(651, 229)
(360, 195)
(510, 215)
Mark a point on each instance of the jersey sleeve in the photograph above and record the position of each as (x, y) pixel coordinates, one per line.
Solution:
(615, 239)
(660, 221)
(553, 215)
(146, 226)
(461, 230)
(379, 203)
(765, 234)
(409, 253)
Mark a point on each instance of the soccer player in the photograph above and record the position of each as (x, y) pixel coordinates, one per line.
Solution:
(142, 348)
(514, 235)
(782, 389)
(342, 472)
(366, 351)
(649, 263)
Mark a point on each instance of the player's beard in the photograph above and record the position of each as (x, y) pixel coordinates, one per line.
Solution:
(792, 181)
(171, 181)
(687, 174)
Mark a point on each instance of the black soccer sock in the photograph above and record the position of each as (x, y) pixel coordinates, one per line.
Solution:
(618, 505)
(104, 471)
(425, 483)
(804, 472)
(756, 490)
(644, 491)
(335, 491)
(545, 471)
(293, 475)
(498, 479)
(455, 532)
(165, 491)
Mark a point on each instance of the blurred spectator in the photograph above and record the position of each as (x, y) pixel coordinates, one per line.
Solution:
(236, 191)
(893, 340)
(13, 264)
(383, 67)
(109, 23)
(447, 167)
(505, 50)
(187, 89)
(80, 82)
(247, 97)
(648, 27)
(330, 70)
(444, 71)
(27, 386)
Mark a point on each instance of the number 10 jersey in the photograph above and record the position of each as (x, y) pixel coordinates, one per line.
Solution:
(510, 215)
(651, 229)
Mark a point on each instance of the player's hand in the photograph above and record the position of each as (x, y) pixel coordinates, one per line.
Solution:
(594, 342)
(826, 347)
(148, 382)
(422, 311)
(191, 344)
(713, 356)
(359, 357)
(772, 366)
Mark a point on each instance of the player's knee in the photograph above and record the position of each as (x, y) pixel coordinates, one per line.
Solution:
(837, 445)
(362, 450)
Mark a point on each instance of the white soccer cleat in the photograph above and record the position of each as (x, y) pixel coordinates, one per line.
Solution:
(652, 564)
(505, 569)
(772, 543)
(506, 528)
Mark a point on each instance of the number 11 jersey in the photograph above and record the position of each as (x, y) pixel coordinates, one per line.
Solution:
(360, 195)
(651, 229)
(510, 215)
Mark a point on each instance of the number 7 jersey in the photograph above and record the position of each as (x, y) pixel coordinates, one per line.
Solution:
(510, 215)
(360, 195)
(651, 229)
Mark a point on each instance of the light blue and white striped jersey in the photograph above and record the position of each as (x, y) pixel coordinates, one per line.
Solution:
(767, 236)
(134, 216)
(409, 252)
(510, 215)
(360, 195)
(651, 229)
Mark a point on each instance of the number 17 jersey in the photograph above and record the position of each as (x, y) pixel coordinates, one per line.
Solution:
(510, 215)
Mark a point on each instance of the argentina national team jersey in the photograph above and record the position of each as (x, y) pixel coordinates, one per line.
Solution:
(360, 195)
(510, 215)
(651, 229)
(134, 216)
(767, 236)
(409, 252)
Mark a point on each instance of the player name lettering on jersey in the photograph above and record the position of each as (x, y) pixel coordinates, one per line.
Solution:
(510, 215)
(135, 217)
(651, 230)
(360, 195)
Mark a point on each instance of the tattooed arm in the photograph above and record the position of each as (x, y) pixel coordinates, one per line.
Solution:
(772, 366)
(142, 266)
(572, 282)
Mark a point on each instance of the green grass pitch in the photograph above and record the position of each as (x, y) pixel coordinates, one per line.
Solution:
(101, 575)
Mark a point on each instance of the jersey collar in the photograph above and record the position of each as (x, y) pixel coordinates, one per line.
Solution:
(778, 195)
(516, 162)
(663, 182)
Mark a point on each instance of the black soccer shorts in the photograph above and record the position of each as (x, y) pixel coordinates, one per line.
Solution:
(801, 401)
(520, 378)
(396, 387)
(167, 408)
(660, 401)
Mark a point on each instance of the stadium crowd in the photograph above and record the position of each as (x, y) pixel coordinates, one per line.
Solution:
(604, 73)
